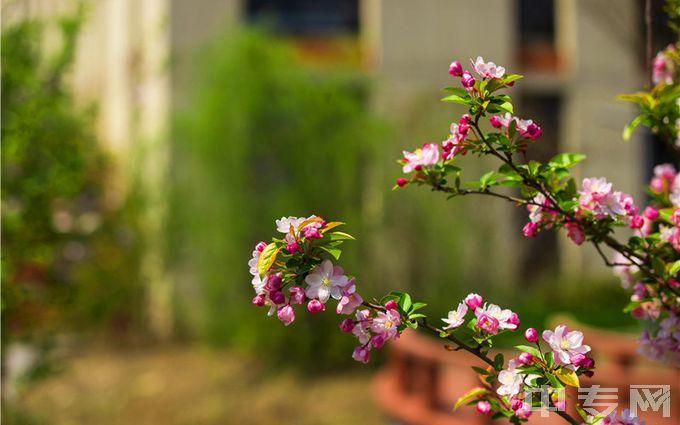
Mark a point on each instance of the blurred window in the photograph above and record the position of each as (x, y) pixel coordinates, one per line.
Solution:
(536, 33)
(307, 17)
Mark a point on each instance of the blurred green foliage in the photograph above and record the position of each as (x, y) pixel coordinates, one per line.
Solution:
(264, 135)
(69, 255)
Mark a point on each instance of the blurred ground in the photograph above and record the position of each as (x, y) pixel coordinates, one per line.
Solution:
(189, 385)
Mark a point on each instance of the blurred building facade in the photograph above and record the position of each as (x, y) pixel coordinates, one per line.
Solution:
(135, 60)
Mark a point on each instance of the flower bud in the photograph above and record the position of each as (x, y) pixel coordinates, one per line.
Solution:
(315, 306)
(561, 405)
(377, 341)
(312, 232)
(292, 247)
(277, 297)
(418, 167)
(531, 335)
(448, 145)
(467, 80)
(637, 222)
(297, 295)
(483, 407)
(456, 69)
(466, 119)
(273, 282)
(657, 185)
(525, 358)
(401, 182)
(260, 246)
(361, 354)
(347, 325)
(513, 319)
(516, 403)
(473, 301)
(676, 217)
(495, 121)
(286, 314)
(258, 300)
(651, 213)
(391, 305)
(588, 363)
(530, 229)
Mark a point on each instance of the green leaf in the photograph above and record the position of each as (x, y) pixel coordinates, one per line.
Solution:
(630, 128)
(456, 99)
(498, 361)
(473, 394)
(549, 359)
(567, 159)
(335, 252)
(532, 350)
(340, 236)
(459, 91)
(506, 106)
(509, 78)
(674, 268)
(417, 306)
(633, 305)
(404, 302)
(267, 258)
(480, 370)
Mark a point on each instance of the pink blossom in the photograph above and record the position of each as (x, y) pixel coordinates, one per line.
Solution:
(260, 246)
(297, 295)
(495, 122)
(401, 182)
(277, 297)
(528, 130)
(515, 403)
(575, 233)
(514, 319)
(662, 69)
(637, 222)
(350, 299)
(483, 407)
(391, 305)
(385, 323)
(565, 344)
(597, 197)
(456, 317)
(286, 314)
(525, 358)
(505, 119)
(651, 213)
(510, 381)
(292, 247)
(531, 335)
(487, 323)
(503, 318)
(325, 281)
(487, 69)
(530, 230)
(377, 341)
(361, 354)
(473, 301)
(467, 80)
(427, 155)
(258, 300)
(347, 325)
(524, 412)
(456, 69)
(315, 306)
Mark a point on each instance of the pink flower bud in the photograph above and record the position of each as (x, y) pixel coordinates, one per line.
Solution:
(561, 405)
(483, 407)
(516, 403)
(277, 297)
(448, 145)
(525, 358)
(447, 155)
(347, 325)
(456, 69)
(651, 213)
(361, 354)
(465, 119)
(495, 122)
(260, 246)
(531, 335)
(312, 232)
(391, 305)
(588, 363)
(657, 185)
(377, 341)
(418, 167)
(286, 314)
(530, 229)
(676, 217)
(273, 282)
(258, 300)
(315, 306)
(513, 319)
(292, 247)
(577, 359)
(589, 373)
(401, 182)
(637, 222)
(463, 129)
(674, 283)
(533, 131)
(467, 80)
(297, 295)
(473, 300)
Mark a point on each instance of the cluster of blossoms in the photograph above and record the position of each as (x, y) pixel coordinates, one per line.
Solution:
(508, 387)
(297, 269)
(663, 66)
